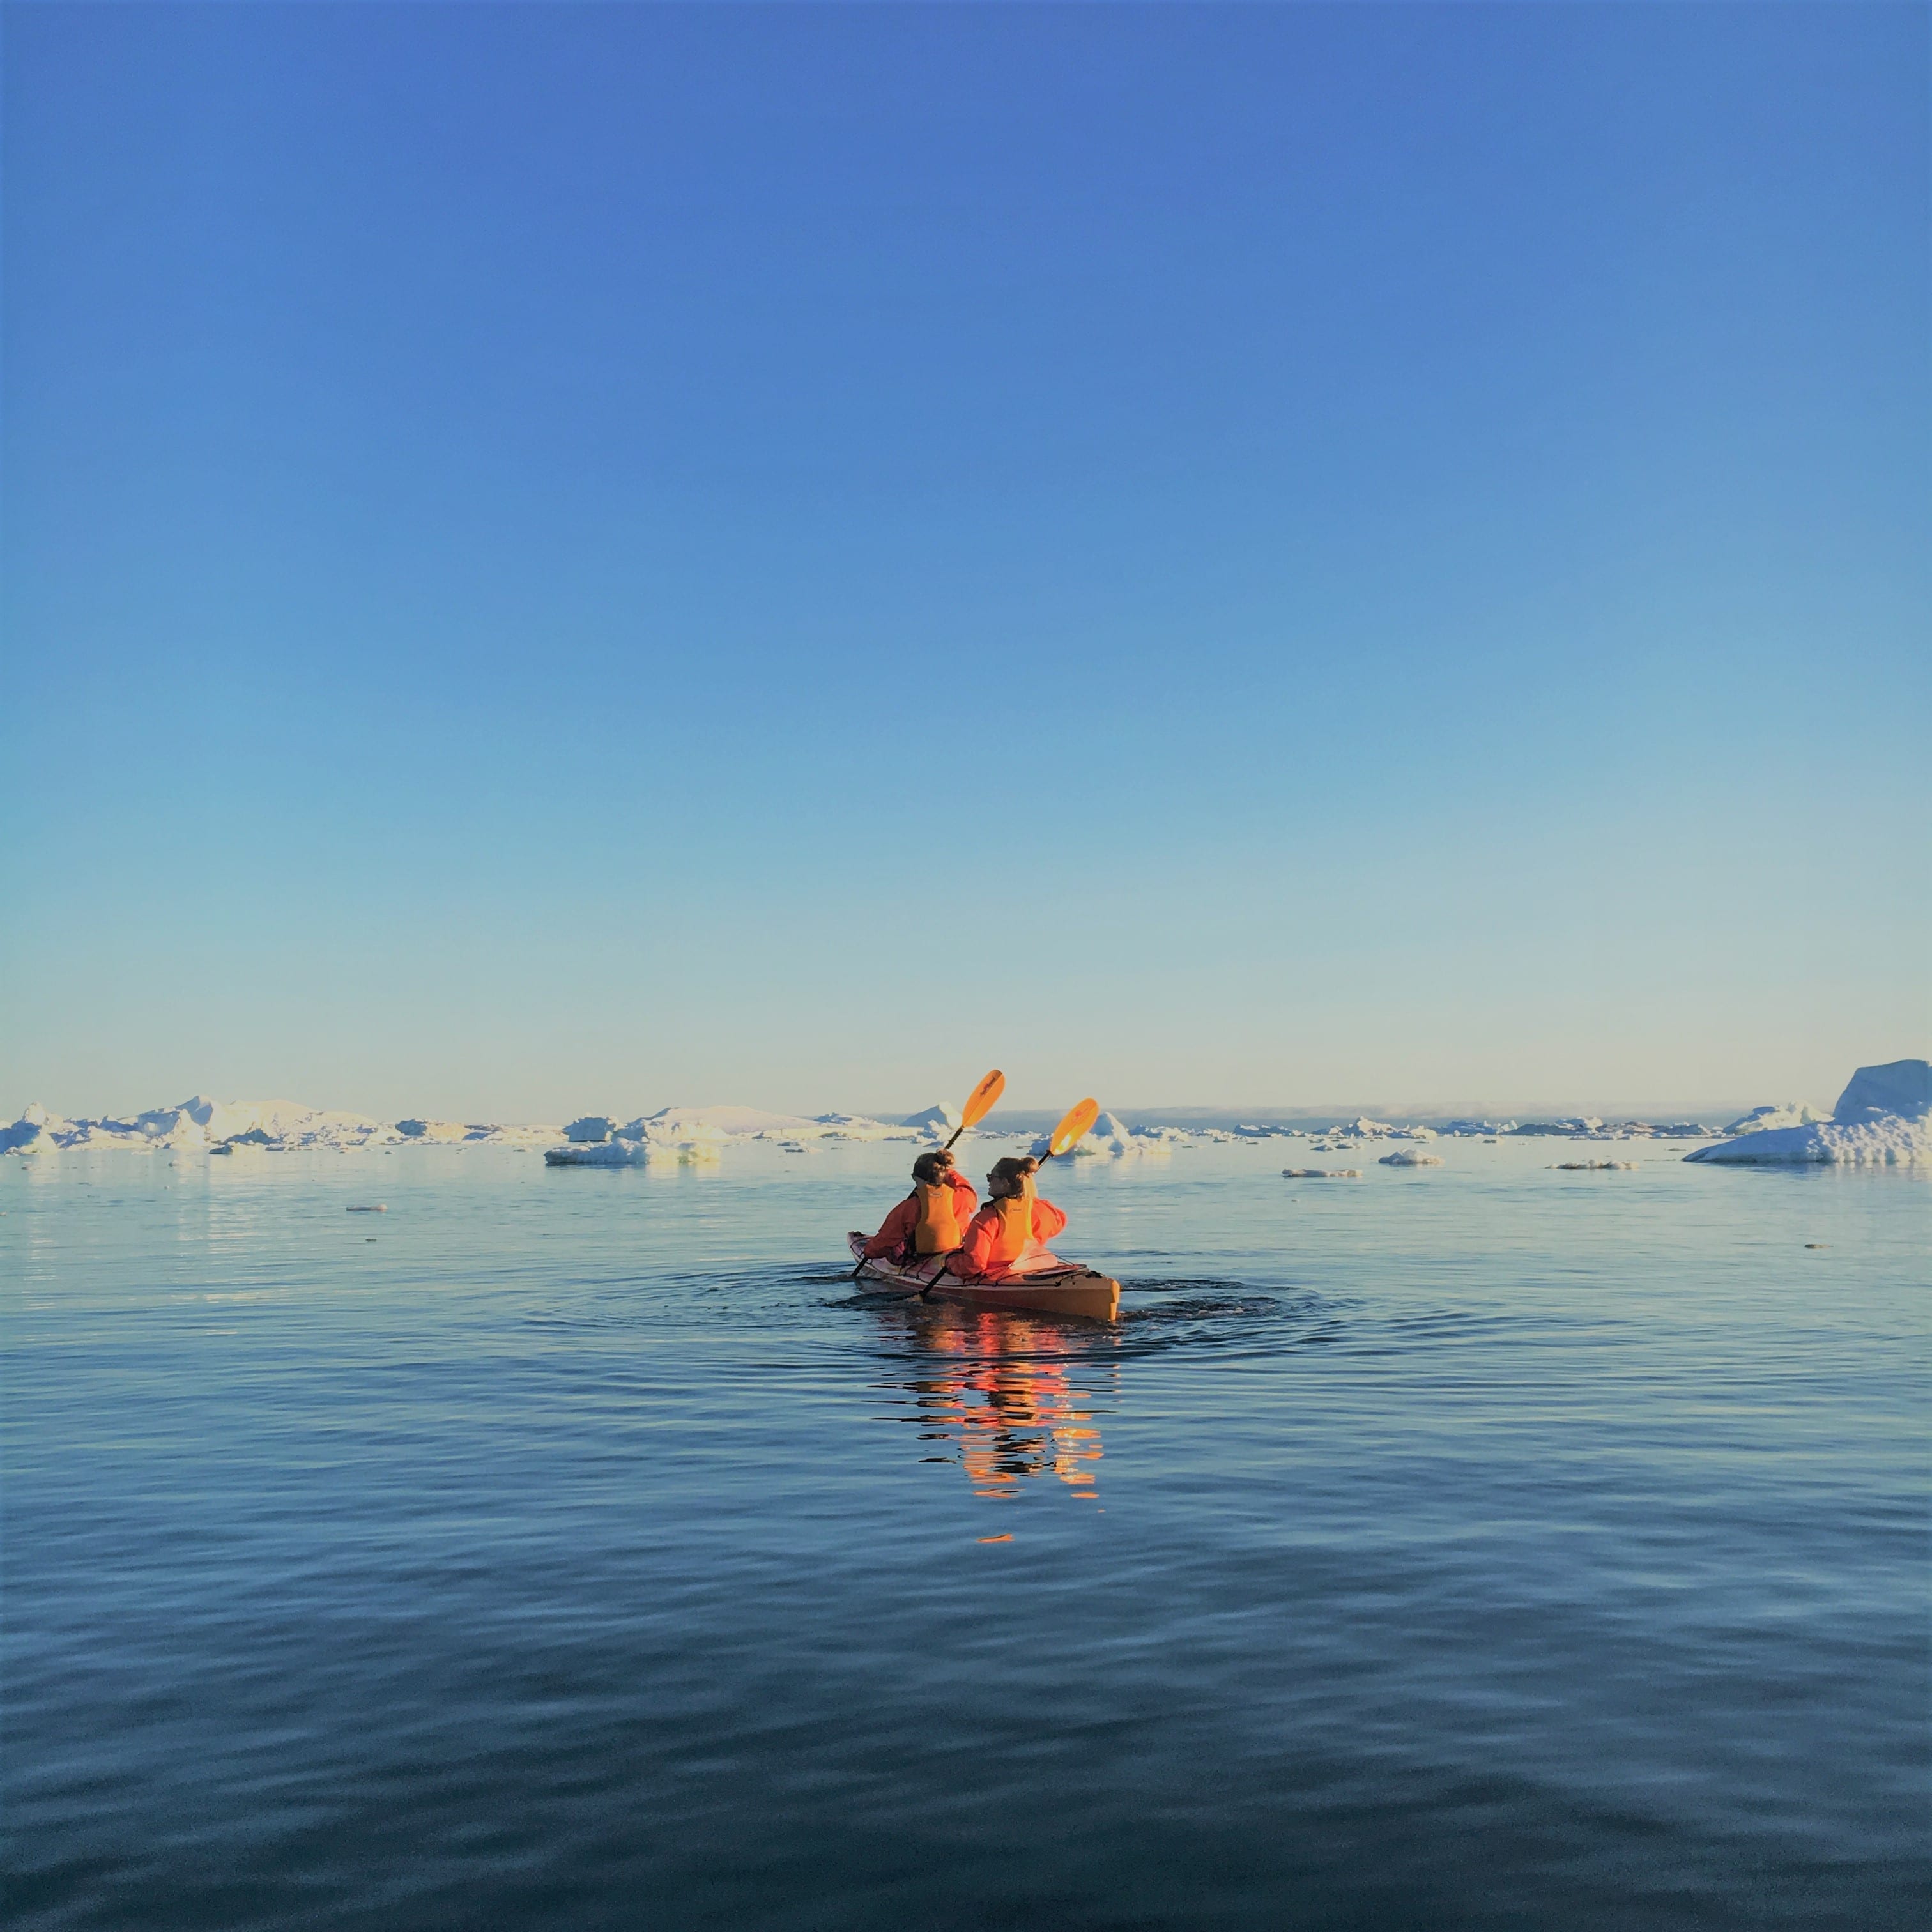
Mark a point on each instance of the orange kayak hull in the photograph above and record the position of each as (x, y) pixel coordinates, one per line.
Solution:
(1048, 1286)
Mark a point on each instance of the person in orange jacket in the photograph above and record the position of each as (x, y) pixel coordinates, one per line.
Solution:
(931, 1220)
(1012, 1219)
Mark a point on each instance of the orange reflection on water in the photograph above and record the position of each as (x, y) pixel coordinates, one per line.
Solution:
(1009, 1408)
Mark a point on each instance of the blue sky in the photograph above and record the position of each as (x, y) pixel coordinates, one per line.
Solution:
(566, 555)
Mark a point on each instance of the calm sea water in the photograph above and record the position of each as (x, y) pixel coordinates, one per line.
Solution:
(1483, 1546)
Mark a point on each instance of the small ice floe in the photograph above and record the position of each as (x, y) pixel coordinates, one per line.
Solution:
(1321, 1173)
(1593, 1166)
(1410, 1157)
(1883, 1119)
(372, 1207)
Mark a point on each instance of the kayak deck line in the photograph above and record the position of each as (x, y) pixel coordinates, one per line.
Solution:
(1041, 1283)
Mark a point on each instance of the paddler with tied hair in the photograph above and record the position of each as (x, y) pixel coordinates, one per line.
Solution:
(1013, 1220)
(932, 1219)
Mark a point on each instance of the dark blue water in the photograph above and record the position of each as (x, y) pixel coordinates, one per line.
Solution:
(1477, 1547)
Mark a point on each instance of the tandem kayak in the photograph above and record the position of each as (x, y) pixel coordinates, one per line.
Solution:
(1041, 1283)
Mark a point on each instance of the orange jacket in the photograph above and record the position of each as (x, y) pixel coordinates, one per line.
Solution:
(976, 1252)
(895, 1231)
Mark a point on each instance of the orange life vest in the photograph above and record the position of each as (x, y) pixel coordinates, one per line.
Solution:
(1016, 1213)
(937, 1231)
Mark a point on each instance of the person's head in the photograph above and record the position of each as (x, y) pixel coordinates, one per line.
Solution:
(1010, 1175)
(933, 1167)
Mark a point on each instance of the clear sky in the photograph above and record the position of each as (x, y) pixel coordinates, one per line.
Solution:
(564, 556)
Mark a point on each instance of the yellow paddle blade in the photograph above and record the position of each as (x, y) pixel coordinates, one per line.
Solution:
(979, 1102)
(1077, 1120)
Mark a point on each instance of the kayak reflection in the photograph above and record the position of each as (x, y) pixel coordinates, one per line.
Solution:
(1007, 1405)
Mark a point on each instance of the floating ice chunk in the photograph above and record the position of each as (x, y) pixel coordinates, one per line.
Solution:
(935, 1123)
(1410, 1157)
(590, 1130)
(1593, 1166)
(1323, 1173)
(597, 1153)
(1485, 1128)
(1883, 1119)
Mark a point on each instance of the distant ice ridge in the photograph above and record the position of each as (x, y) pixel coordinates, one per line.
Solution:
(697, 1135)
(1883, 1119)
(206, 1125)
(198, 1124)
(1111, 1138)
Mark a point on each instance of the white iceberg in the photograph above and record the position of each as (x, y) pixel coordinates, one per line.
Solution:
(1883, 1119)
(1110, 1137)
(1410, 1157)
(598, 1153)
(37, 1131)
(1784, 1114)
(935, 1123)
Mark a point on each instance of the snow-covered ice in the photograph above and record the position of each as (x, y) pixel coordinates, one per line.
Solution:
(1410, 1157)
(199, 1123)
(1777, 1114)
(1111, 1138)
(1883, 1119)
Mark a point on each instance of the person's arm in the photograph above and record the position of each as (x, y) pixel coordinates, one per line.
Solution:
(976, 1250)
(1048, 1220)
(893, 1230)
(965, 1202)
